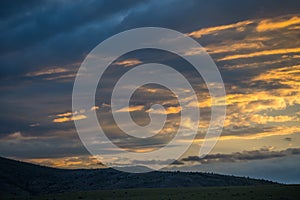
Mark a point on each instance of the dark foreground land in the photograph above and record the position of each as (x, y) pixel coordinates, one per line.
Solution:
(280, 192)
(19, 180)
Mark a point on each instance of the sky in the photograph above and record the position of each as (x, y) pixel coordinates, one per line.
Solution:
(255, 45)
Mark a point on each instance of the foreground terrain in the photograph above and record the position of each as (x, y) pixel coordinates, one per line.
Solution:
(19, 180)
(280, 192)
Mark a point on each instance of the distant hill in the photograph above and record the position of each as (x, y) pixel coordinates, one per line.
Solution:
(18, 178)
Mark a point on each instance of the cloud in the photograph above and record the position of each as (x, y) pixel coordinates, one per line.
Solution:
(69, 116)
(270, 25)
(34, 125)
(275, 131)
(52, 48)
(67, 119)
(18, 136)
(288, 139)
(264, 119)
(263, 153)
(285, 75)
(52, 70)
(94, 108)
(211, 30)
(234, 46)
(72, 162)
(261, 53)
(131, 108)
(250, 133)
(129, 62)
(165, 111)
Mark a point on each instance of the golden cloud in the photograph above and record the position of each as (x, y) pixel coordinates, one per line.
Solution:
(289, 75)
(233, 46)
(70, 116)
(166, 111)
(94, 108)
(276, 131)
(129, 62)
(67, 119)
(67, 114)
(261, 53)
(263, 119)
(131, 108)
(52, 70)
(211, 30)
(72, 162)
(269, 25)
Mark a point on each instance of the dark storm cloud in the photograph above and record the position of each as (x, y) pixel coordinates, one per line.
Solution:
(53, 18)
(72, 29)
(283, 169)
(11, 8)
(236, 157)
(22, 147)
(57, 25)
(263, 153)
(182, 14)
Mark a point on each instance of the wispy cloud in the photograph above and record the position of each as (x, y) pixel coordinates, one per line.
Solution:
(129, 62)
(211, 30)
(165, 111)
(131, 108)
(263, 153)
(50, 70)
(18, 136)
(69, 116)
(269, 24)
(72, 162)
(261, 53)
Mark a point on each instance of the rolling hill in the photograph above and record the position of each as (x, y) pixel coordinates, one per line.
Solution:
(19, 178)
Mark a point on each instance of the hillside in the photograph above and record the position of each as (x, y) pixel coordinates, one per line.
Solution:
(19, 178)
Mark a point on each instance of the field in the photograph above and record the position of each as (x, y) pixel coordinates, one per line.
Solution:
(280, 192)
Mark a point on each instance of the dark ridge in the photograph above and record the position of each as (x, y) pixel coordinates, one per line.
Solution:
(18, 178)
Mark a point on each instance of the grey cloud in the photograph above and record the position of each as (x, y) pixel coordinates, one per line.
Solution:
(261, 154)
(288, 139)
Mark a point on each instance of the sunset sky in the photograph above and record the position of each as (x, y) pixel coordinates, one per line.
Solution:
(255, 45)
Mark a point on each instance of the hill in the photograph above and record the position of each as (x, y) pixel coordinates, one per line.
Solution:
(19, 178)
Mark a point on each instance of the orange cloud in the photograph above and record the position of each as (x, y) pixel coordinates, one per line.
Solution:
(94, 108)
(166, 111)
(143, 150)
(276, 131)
(284, 75)
(131, 108)
(252, 65)
(211, 30)
(129, 62)
(263, 119)
(67, 114)
(234, 47)
(72, 162)
(261, 53)
(66, 76)
(67, 119)
(269, 25)
(54, 70)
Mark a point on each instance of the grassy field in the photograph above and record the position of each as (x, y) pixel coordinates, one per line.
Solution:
(281, 192)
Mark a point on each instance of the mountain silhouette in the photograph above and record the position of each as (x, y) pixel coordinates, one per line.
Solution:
(19, 178)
